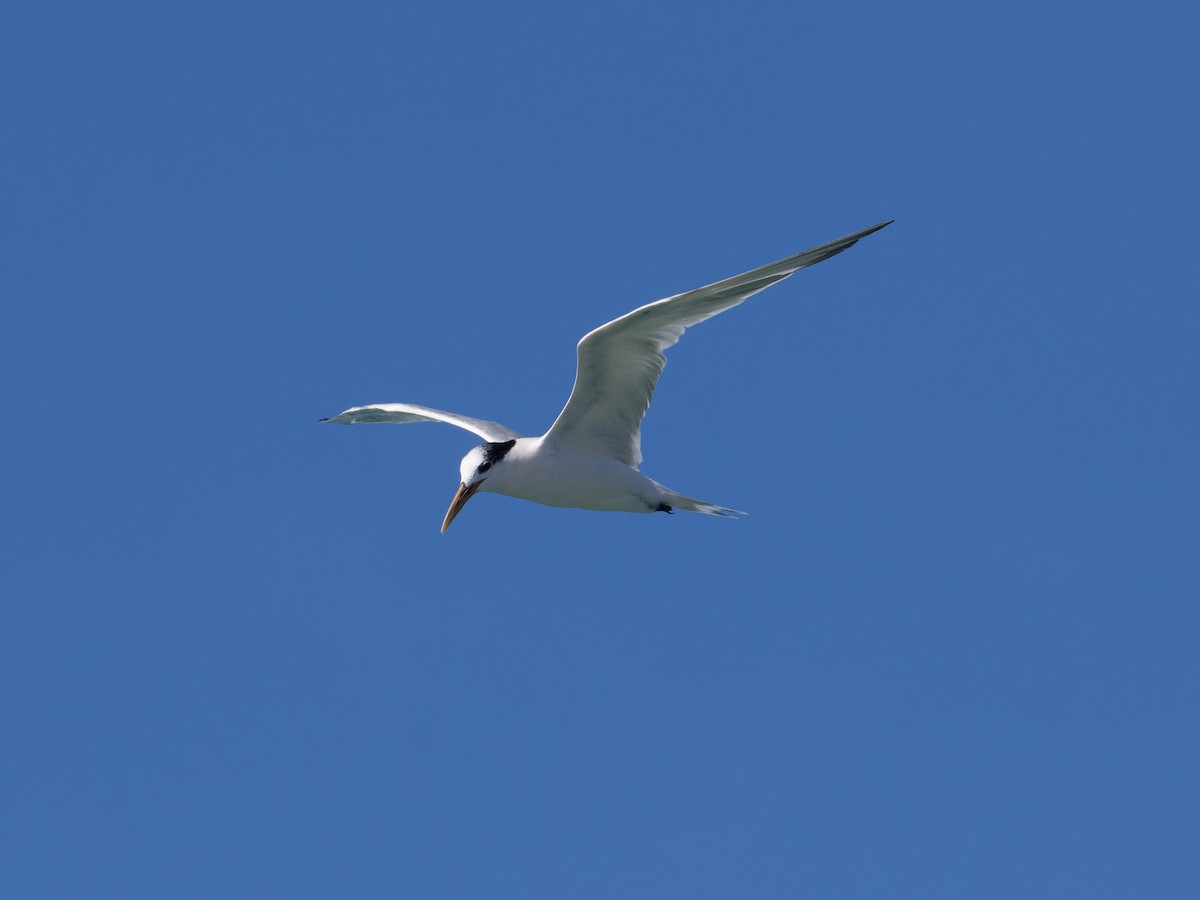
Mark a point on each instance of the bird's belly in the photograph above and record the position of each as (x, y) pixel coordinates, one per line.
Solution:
(580, 483)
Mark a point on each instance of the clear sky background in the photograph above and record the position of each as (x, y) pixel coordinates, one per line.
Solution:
(953, 650)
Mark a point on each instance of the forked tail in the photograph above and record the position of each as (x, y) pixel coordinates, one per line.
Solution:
(691, 504)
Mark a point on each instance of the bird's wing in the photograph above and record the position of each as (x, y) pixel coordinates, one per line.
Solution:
(619, 363)
(404, 413)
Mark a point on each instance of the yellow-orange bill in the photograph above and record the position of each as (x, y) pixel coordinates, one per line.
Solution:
(461, 497)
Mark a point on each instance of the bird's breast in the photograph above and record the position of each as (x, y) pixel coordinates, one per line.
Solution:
(558, 477)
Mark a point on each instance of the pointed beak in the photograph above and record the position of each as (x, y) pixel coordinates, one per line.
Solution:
(461, 497)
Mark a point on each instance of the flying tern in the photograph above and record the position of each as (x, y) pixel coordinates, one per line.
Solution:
(590, 456)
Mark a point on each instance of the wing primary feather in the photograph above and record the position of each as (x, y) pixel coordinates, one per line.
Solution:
(406, 413)
(619, 363)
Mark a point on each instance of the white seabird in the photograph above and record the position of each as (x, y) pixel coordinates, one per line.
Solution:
(590, 456)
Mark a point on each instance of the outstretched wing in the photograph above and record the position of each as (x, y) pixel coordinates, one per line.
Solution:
(619, 363)
(404, 413)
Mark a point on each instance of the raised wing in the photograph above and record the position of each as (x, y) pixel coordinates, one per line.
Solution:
(619, 363)
(404, 413)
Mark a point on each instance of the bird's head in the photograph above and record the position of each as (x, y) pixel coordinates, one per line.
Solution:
(474, 470)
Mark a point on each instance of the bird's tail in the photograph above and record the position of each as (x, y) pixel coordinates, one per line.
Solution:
(691, 504)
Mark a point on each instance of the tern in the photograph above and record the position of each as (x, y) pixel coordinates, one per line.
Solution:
(590, 456)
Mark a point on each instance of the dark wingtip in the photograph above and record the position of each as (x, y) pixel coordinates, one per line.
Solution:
(845, 243)
(322, 420)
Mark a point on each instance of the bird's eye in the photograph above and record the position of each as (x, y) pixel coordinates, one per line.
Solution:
(485, 467)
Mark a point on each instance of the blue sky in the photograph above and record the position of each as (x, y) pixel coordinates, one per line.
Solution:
(952, 652)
